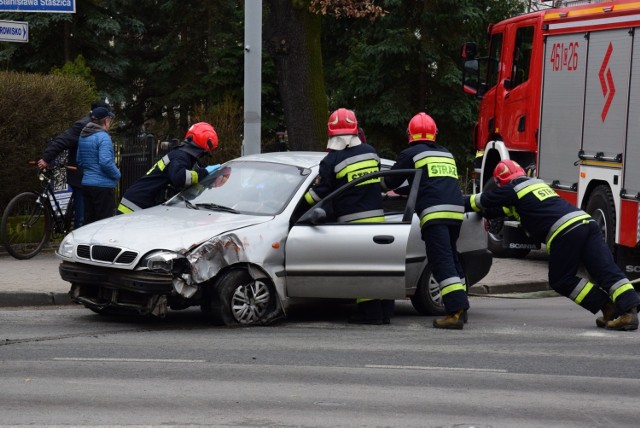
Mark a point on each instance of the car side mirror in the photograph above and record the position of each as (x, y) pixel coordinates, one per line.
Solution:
(315, 215)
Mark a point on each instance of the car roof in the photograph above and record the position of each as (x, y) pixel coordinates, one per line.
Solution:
(300, 159)
(297, 158)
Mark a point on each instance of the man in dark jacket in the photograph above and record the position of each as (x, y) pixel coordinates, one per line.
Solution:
(176, 170)
(68, 141)
(572, 238)
(441, 210)
(348, 159)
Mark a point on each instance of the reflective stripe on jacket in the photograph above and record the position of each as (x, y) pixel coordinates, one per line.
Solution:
(361, 203)
(440, 199)
(178, 169)
(542, 212)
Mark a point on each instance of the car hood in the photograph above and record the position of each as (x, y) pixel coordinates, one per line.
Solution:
(163, 227)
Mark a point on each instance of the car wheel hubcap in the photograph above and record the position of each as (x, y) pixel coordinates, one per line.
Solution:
(250, 302)
(434, 291)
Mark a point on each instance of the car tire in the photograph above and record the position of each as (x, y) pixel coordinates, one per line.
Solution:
(240, 300)
(427, 299)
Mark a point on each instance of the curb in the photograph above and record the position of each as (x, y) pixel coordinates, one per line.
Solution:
(12, 300)
(523, 287)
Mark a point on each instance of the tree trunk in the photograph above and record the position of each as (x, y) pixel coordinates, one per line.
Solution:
(292, 36)
(67, 42)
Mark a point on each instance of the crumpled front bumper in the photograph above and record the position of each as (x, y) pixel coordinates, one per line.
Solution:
(102, 289)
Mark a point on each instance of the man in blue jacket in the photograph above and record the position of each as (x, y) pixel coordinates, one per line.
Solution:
(96, 157)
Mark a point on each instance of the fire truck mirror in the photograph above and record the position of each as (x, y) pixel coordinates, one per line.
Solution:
(469, 51)
(471, 66)
(471, 76)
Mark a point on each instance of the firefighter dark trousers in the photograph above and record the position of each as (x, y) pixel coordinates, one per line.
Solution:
(442, 254)
(584, 245)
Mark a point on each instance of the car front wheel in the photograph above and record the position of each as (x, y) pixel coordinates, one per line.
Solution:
(240, 299)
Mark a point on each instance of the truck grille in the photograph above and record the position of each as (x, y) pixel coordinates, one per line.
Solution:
(107, 254)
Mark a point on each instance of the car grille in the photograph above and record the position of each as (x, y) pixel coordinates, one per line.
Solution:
(107, 254)
(127, 257)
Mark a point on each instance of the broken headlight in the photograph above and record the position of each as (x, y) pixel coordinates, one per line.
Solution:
(167, 262)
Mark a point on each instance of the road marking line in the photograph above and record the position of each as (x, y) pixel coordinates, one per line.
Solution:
(601, 333)
(455, 369)
(130, 360)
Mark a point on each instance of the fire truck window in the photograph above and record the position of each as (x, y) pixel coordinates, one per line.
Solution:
(522, 55)
(493, 66)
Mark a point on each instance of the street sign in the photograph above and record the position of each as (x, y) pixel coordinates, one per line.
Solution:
(14, 31)
(50, 6)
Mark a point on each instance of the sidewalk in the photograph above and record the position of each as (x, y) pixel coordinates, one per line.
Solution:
(516, 275)
(36, 281)
(32, 282)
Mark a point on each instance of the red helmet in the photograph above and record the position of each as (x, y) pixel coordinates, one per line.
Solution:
(422, 128)
(506, 171)
(342, 122)
(203, 135)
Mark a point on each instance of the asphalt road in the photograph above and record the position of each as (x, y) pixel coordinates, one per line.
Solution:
(518, 362)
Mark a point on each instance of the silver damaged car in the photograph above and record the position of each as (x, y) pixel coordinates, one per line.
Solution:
(244, 245)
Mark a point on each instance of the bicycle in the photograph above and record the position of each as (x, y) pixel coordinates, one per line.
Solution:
(31, 218)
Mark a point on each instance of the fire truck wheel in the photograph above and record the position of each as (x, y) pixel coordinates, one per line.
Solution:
(601, 207)
(494, 242)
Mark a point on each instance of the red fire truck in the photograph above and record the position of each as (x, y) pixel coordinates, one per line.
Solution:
(559, 93)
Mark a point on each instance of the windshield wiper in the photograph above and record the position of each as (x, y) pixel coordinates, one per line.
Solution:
(187, 203)
(216, 207)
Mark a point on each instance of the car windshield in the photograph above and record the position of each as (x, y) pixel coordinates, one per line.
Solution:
(257, 188)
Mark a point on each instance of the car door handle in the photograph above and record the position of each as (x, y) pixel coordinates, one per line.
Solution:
(383, 239)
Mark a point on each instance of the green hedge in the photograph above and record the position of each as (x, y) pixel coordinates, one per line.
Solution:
(33, 109)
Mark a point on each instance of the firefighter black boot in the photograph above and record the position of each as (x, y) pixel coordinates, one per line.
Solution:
(608, 314)
(454, 321)
(625, 322)
(388, 307)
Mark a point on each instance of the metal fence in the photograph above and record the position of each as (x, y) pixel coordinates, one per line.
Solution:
(135, 155)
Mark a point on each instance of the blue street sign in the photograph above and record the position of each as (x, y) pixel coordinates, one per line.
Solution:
(50, 6)
(14, 31)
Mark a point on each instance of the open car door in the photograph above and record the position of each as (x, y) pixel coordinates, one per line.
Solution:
(327, 259)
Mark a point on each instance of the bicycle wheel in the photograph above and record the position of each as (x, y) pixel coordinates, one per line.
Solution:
(25, 227)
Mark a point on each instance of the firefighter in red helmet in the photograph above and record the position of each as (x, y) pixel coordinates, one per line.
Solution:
(176, 170)
(572, 238)
(348, 159)
(440, 207)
